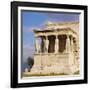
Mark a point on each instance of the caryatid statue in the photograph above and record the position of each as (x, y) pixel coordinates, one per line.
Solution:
(47, 44)
(37, 46)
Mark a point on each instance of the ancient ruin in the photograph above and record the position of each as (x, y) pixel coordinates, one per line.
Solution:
(57, 49)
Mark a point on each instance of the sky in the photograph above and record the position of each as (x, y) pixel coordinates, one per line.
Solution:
(32, 20)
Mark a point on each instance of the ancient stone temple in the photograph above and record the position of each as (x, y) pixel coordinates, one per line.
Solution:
(57, 49)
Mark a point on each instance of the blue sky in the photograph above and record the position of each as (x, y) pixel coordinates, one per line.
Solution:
(31, 20)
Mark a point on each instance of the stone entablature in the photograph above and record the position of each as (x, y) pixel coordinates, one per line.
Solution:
(73, 25)
(64, 31)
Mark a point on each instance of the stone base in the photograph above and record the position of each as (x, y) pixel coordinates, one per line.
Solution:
(53, 64)
(54, 70)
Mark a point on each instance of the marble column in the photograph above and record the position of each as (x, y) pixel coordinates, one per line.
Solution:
(43, 45)
(76, 44)
(37, 46)
(67, 44)
(56, 44)
(47, 44)
(72, 45)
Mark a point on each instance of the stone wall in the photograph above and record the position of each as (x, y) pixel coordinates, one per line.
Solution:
(54, 63)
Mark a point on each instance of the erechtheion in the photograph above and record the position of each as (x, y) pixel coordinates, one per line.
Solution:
(56, 49)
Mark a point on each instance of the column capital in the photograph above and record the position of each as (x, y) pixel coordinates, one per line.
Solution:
(56, 36)
(46, 36)
(36, 36)
(67, 36)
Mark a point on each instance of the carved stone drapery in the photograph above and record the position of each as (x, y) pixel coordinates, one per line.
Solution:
(37, 45)
(56, 44)
(67, 44)
(47, 44)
